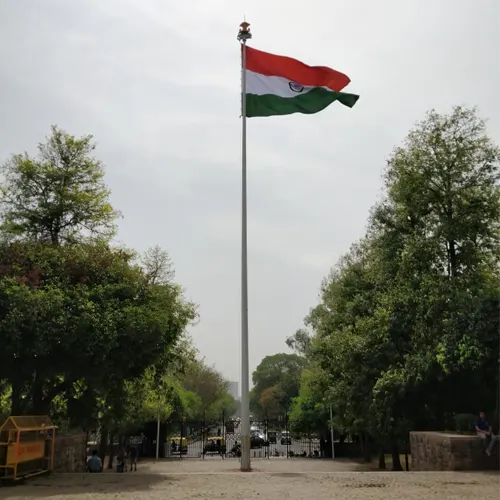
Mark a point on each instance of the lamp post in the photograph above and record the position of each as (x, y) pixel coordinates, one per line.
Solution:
(331, 432)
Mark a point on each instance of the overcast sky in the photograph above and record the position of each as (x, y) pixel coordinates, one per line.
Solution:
(157, 83)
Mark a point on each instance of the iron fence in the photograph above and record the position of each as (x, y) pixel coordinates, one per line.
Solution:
(183, 438)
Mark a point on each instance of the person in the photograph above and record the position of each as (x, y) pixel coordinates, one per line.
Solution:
(94, 463)
(484, 431)
(121, 464)
(322, 446)
(132, 454)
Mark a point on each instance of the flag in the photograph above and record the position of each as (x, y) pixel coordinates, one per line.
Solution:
(277, 85)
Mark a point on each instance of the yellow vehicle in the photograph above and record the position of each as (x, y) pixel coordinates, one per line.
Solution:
(178, 444)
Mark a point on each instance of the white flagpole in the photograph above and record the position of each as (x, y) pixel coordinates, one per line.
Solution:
(244, 35)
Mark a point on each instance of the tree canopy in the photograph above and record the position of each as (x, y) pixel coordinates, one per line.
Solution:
(276, 382)
(92, 333)
(406, 332)
(58, 196)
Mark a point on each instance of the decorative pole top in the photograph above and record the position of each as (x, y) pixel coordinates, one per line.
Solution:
(244, 32)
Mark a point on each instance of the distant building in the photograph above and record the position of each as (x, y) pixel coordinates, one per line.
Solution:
(233, 390)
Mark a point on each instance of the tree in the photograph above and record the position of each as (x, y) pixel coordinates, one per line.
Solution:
(444, 205)
(59, 196)
(81, 321)
(310, 409)
(270, 402)
(212, 390)
(406, 334)
(158, 266)
(279, 374)
(80, 312)
(300, 342)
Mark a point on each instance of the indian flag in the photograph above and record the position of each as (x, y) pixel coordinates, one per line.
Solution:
(277, 85)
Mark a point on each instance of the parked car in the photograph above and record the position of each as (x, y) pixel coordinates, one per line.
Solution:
(257, 440)
(286, 438)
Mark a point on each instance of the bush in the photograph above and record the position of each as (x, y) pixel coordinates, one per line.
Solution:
(464, 422)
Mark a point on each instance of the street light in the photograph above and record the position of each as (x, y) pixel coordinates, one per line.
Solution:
(158, 422)
(331, 432)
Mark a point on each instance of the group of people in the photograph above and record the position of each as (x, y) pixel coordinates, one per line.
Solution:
(130, 453)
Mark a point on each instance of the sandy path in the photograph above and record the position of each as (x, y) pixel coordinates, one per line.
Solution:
(280, 479)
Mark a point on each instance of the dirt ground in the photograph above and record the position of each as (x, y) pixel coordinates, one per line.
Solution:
(279, 479)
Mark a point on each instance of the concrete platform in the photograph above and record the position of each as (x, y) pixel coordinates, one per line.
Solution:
(438, 451)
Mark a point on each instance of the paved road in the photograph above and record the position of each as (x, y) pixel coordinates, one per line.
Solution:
(295, 479)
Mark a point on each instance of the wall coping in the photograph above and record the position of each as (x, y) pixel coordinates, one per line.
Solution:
(448, 435)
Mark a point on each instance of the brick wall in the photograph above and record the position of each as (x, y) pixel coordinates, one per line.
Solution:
(70, 453)
(434, 451)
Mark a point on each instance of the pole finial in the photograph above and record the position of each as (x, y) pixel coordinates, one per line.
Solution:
(244, 32)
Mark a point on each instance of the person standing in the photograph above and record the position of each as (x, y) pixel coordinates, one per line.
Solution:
(322, 446)
(132, 455)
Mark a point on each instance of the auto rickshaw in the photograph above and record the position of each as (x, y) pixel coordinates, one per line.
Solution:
(215, 445)
(272, 437)
(178, 445)
(230, 427)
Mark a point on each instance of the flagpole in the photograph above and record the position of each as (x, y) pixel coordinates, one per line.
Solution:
(244, 35)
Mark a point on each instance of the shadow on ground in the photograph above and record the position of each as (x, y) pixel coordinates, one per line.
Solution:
(75, 484)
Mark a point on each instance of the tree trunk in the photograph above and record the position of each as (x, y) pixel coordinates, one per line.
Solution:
(396, 461)
(453, 258)
(16, 401)
(381, 461)
(111, 450)
(367, 449)
(103, 445)
(39, 406)
(452, 251)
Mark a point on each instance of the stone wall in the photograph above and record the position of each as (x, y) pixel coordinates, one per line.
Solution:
(437, 451)
(70, 453)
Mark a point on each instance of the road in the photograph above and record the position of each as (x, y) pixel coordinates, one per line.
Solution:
(295, 479)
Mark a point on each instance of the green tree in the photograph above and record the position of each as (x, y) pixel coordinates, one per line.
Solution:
(300, 342)
(310, 409)
(58, 196)
(280, 374)
(212, 390)
(408, 316)
(80, 312)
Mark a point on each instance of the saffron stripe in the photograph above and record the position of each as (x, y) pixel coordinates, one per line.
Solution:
(295, 71)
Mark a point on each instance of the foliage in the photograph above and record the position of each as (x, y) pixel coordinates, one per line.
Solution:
(300, 342)
(406, 333)
(276, 382)
(59, 196)
(464, 422)
(310, 410)
(91, 333)
(211, 390)
(80, 312)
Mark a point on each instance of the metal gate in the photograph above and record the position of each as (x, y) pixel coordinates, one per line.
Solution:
(221, 438)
